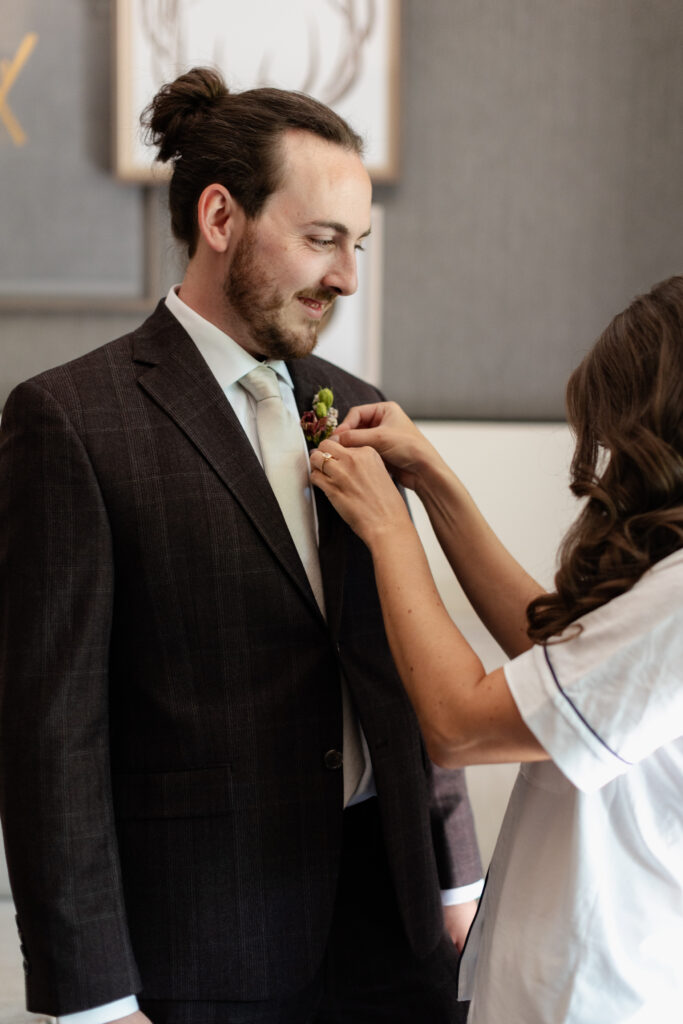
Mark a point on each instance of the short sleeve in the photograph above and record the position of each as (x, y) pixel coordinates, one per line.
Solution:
(611, 694)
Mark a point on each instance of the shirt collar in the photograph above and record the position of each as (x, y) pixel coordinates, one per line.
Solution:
(227, 360)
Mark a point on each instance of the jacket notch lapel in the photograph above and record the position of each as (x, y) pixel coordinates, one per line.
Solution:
(174, 375)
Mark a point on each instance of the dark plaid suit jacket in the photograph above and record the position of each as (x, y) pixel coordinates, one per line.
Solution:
(170, 691)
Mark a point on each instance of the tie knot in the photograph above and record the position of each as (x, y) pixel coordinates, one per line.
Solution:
(261, 382)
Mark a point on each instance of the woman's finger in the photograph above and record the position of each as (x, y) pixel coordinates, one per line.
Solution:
(358, 438)
(321, 459)
(363, 416)
(326, 457)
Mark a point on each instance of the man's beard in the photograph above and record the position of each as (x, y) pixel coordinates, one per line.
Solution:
(252, 294)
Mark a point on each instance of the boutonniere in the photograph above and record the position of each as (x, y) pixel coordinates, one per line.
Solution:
(321, 420)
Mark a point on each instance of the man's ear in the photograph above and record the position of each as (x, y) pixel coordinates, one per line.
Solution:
(216, 213)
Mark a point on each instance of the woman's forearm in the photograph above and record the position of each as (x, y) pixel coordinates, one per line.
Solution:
(431, 655)
(466, 716)
(497, 586)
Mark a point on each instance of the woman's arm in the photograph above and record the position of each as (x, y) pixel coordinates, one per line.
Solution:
(467, 716)
(497, 586)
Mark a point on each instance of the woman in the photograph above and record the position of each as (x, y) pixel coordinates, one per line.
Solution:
(582, 917)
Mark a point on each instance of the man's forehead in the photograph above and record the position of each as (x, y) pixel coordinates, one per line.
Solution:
(328, 183)
(309, 158)
(296, 142)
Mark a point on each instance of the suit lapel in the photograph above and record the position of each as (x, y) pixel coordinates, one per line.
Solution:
(173, 373)
(331, 528)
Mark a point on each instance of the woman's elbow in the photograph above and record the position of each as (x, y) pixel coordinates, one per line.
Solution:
(446, 748)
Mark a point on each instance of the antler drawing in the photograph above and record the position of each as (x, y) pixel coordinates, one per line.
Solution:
(355, 31)
(349, 65)
(162, 24)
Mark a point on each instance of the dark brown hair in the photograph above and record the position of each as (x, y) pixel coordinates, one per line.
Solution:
(625, 406)
(213, 135)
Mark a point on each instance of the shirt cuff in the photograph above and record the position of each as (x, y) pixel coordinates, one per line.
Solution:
(102, 1014)
(463, 894)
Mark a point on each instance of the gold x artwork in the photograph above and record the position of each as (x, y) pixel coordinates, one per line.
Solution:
(9, 70)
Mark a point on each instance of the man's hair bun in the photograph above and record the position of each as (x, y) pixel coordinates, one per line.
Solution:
(178, 106)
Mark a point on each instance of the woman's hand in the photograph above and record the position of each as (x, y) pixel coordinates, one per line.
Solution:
(385, 427)
(458, 919)
(360, 488)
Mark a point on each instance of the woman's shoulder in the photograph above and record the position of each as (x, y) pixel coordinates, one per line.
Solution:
(656, 596)
(672, 566)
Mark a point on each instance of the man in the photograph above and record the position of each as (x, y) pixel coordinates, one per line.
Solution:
(192, 811)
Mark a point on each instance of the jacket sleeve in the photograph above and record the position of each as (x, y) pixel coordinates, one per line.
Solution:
(453, 834)
(56, 592)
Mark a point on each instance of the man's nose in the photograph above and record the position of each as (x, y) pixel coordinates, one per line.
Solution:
(342, 275)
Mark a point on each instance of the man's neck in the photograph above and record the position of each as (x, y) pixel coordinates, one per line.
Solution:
(210, 304)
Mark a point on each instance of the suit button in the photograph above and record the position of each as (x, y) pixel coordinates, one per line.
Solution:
(333, 760)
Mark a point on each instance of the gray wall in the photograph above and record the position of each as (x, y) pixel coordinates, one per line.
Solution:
(83, 256)
(540, 188)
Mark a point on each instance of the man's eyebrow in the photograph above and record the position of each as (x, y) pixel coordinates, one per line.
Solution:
(341, 229)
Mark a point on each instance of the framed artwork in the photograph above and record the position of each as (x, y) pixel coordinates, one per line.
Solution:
(343, 52)
(74, 238)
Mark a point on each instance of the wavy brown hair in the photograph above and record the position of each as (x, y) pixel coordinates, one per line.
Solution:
(625, 407)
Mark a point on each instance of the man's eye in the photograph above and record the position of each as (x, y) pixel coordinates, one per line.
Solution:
(324, 243)
(360, 248)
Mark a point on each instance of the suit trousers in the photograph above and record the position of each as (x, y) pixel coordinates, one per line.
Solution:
(369, 974)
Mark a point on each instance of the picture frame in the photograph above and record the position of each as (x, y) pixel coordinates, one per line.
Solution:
(76, 238)
(140, 295)
(343, 52)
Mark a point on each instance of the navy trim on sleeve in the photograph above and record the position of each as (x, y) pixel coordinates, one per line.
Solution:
(578, 713)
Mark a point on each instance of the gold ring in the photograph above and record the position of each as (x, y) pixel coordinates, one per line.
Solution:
(326, 456)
